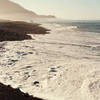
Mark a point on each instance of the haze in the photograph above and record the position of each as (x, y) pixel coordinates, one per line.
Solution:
(67, 9)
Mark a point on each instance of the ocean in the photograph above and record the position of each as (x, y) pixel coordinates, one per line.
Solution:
(65, 63)
(82, 38)
(84, 26)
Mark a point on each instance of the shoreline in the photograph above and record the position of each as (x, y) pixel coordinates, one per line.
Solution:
(19, 30)
(9, 93)
(51, 67)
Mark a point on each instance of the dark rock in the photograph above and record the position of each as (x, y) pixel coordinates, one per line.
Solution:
(36, 82)
(28, 67)
(10, 63)
(12, 60)
(9, 93)
(30, 52)
(53, 70)
(24, 54)
(19, 30)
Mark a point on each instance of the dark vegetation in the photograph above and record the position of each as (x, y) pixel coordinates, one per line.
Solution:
(9, 93)
(19, 30)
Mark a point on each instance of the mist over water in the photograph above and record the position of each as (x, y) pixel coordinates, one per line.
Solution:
(85, 26)
(81, 38)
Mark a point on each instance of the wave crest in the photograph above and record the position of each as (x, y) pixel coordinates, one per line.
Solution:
(68, 28)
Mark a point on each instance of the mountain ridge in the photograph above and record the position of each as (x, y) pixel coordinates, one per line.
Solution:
(13, 11)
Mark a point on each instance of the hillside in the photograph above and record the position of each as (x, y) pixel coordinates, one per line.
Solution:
(12, 11)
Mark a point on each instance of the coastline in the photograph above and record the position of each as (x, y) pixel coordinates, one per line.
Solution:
(19, 30)
(51, 67)
(7, 93)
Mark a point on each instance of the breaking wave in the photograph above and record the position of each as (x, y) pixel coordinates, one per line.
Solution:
(66, 28)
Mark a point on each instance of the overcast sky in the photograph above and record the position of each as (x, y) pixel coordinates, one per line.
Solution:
(67, 9)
